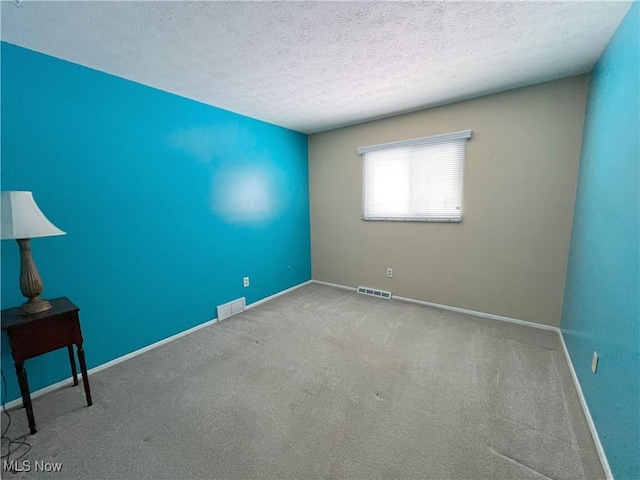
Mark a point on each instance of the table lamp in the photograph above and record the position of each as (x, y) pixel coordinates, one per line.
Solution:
(22, 220)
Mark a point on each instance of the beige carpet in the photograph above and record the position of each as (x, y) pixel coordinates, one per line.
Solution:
(326, 383)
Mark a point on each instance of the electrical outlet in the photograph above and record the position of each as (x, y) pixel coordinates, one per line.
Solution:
(390, 272)
(245, 281)
(594, 362)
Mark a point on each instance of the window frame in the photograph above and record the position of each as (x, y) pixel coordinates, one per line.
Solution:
(462, 135)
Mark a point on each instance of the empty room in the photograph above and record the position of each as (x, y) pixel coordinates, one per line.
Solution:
(338, 240)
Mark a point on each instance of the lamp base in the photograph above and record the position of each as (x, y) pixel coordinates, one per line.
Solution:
(34, 305)
(30, 281)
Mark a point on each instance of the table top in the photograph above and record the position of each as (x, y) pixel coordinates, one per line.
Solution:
(11, 316)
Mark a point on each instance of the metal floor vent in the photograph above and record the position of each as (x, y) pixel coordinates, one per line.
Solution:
(374, 292)
(231, 308)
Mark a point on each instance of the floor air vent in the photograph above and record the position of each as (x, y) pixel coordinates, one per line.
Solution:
(231, 308)
(374, 292)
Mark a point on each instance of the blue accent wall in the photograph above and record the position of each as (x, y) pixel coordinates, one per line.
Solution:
(602, 293)
(167, 203)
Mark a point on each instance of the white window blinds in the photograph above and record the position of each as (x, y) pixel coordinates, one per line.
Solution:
(415, 180)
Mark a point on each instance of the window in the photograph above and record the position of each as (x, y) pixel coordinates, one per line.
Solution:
(415, 180)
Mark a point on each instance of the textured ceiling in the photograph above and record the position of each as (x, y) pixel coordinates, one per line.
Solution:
(312, 66)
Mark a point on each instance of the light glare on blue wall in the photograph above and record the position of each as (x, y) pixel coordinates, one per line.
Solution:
(245, 195)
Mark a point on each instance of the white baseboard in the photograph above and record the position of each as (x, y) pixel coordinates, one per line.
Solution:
(43, 391)
(480, 314)
(587, 413)
(576, 382)
(271, 297)
(454, 309)
(336, 285)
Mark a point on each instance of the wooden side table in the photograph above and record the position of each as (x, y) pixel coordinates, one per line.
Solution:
(33, 335)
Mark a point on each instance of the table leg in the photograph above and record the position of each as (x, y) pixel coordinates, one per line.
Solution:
(26, 396)
(85, 377)
(72, 360)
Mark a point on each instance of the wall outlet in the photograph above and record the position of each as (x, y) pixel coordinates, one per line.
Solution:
(594, 362)
(390, 272)
(245, 281)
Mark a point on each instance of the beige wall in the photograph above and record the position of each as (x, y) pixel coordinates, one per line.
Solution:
(509, 255)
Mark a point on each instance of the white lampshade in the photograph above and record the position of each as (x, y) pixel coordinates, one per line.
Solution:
(21, 218)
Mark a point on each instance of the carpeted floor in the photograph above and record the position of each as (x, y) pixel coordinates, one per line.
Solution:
(326, 383)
